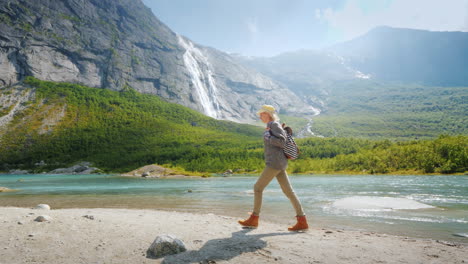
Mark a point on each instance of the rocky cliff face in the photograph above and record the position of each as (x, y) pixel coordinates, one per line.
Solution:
(116, 44)
(12, 102)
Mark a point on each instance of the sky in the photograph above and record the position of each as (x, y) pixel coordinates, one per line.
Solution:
(271, 27)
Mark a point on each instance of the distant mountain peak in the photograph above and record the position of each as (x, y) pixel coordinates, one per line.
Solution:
(409, 55)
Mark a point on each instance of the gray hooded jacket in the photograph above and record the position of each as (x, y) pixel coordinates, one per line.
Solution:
(274, 144)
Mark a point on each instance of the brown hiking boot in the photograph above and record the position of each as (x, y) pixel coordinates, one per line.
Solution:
(252, 222)
(301, 224)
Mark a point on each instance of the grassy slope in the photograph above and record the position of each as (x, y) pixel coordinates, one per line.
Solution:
(367, 109)
(120, 131)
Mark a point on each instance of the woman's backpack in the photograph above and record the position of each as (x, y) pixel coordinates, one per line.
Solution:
(291, 150)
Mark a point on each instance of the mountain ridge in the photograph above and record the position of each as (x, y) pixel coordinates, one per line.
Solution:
(114, 44)
(434, 58)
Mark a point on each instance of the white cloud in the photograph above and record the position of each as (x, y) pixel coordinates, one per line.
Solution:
(352, 20)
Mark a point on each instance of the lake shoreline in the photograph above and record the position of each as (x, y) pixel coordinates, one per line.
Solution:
(123, 236)
(207, 175)
(420, 206)
(256, 174)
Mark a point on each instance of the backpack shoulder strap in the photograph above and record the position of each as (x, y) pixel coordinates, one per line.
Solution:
(287, 129)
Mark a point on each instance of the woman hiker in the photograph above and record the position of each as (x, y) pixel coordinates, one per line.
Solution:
(274, 139)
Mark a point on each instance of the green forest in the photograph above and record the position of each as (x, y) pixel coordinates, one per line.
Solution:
(119, 131)
(370, 109)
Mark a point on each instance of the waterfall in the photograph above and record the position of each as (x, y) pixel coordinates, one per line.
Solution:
(202, 77)
(357, 73)
(307, 130)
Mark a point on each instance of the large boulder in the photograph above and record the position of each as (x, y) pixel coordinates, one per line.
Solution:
(152, 170)
(5, 189)
(165, 245)
(80, 168)
(42, 206)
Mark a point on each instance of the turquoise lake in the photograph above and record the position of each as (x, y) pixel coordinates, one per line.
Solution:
(433, 206)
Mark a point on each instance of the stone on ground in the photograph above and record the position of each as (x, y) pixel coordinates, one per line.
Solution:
(165, 245)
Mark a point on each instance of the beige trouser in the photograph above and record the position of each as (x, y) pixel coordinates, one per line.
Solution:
(267, 175)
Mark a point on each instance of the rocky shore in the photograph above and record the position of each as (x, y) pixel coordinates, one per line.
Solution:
(79, 168)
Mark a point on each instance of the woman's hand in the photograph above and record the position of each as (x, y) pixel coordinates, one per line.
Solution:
(267, 134)
(278, 135)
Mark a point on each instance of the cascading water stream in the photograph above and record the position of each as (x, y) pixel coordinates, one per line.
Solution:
(201, 75)
(307, 130)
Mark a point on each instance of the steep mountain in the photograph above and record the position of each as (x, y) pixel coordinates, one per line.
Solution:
(384, 54)
(115, 44)
(409, 56)
(388, 83)
(308, 73)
